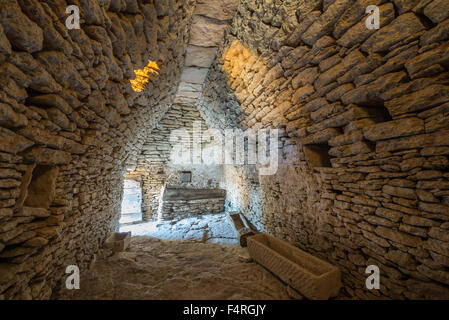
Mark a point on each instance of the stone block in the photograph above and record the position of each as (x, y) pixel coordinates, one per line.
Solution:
(118, 241)
(200, 56)
(206, 32)
(24, 34)
(241, 229)
(217, 9)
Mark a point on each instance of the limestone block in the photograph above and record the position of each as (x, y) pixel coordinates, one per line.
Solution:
(118, 241)
(437, 10)
(47, 156)
(439, 55)
(206, 32)
(53, 40)
(398, 237)
(352, 15)
(394, 129)
(311, 276)
(419, 100)
(40, 79)
(35, 212)
(401, 28)
(188, 94)
(324, 25)
(359, 32)
(11, 142)
(92, 12)
(11, 119)
(200, 56)
(406, 5)
(439, 33)
(194, 75)
(64, 71)
(217, 9)
(5, 46)
(185, 86)
(24, 34)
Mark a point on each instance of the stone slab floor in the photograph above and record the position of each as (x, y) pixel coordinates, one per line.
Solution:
(195, 258)
(210, 228)
(169, 270)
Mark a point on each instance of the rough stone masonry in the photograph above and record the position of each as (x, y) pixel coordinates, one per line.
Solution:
(363, 175)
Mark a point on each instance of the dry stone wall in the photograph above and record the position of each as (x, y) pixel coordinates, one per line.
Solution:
(70, 122)
(363, 176)
(179, 209)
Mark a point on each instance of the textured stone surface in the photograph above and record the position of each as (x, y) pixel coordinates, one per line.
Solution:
(363, 142)
(312, 277)
(200, 56)
(206, 32)
(155, 168)
(217, 9)
(20, 30)
(194, 75)
(210, 20)
(70, 122)
(208, 271)
(371, 106)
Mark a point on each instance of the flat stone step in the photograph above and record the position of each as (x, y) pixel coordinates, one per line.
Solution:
(314, 278)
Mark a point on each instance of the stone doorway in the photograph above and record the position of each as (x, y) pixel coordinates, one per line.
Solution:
(132, 202)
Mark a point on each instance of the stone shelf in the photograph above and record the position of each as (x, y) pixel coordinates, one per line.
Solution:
(172, 194)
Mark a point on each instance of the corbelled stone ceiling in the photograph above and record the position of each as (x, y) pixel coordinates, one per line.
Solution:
(209, 22)
(362, 177)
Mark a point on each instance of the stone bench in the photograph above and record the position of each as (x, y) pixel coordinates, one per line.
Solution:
(189, 194)
(311, 276)
(180, 203)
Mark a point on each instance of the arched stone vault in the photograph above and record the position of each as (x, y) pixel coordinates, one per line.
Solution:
(363, 173)
(210, 21)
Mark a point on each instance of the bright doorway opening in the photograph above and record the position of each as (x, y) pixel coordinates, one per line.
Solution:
(132, 202)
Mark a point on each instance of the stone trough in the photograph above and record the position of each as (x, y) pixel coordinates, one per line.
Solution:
(314, 278)
(241, 229)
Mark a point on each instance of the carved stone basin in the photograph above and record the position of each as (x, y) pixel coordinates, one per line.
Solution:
(311, 276)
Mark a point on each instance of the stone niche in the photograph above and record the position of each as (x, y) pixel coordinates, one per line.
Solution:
(41, 189)
(318, 155)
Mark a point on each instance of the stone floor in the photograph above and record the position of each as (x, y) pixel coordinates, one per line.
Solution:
(211, 228)
(171, 270)
(130, 218)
